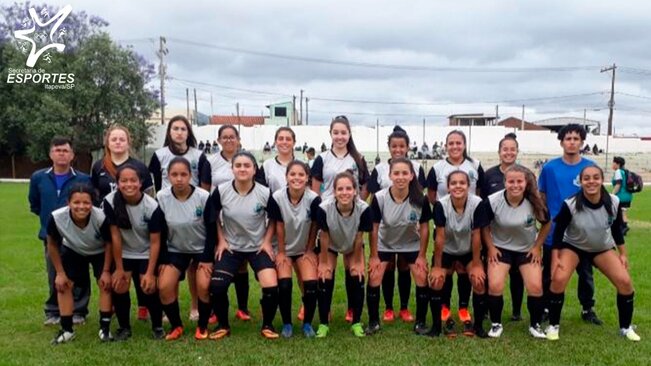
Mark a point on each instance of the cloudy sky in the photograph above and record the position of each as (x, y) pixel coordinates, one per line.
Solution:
(411, 59)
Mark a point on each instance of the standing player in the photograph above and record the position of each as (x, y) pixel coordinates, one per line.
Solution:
(559, 179)
(294, 211)
(458, 217)
(78, 236)
(399, 148)
(243, 236)
(620, 190)
(273, 171)
(513, 241)
(401, 217)
(342, 221)
(136, 225)
(588, 227)
(342, 156)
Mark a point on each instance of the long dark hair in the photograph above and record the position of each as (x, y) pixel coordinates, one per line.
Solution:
(465, 144)
(531, 192)
(509, 136)
(606, 200)
(399, 133)
(119, 203)
(346, 174)
(82, 188)
(293, 163)
(458, 171)
(247, 155)
(350, 146)
(287, 129)
(415, 190)
(191, 141)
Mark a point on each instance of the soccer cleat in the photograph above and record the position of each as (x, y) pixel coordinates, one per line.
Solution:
(468, 329)
(158, 333)
(105, 335)
(243, 315)
(308, 331)
(194, 315)
(122, 334)
(349, 315)
(537, 331)
(630, 334)
(589, 316)
(175, 334)
(496, 330)
(420, 328)
(287, 331)
(464, 315)
(434, 332)
(201, 334)
(449, 328)
(545, 316)
(516, 317)
(301, 313)
(52, 320)
(406, 316)
(165, 319)
(322, 331)
(212, 319)
(372, 328)
(78, 319)
(62, 337)
(269, 332)
(480, 332)
(358, 330)
(220, 333)
(388, 316)
(143, 313)
(552, 332)
(445, 313)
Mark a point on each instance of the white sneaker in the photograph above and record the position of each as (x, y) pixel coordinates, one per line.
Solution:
(51, 320)
(194, 315)
(78, 319)
(537, 331)
(630, 334)
(496, 330)
(63, 337)
(552, 332)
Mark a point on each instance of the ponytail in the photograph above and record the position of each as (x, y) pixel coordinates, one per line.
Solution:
(605, 199)
(119, 203)
(531, 192)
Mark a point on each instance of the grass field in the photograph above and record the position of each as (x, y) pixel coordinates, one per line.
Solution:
(25, 341)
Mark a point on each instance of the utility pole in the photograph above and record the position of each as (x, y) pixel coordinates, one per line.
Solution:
(162, 51)
(301, 103)
(497, 113)
(307, 115)
(293, 110)
(522, 121)
(611, 106)
(212, 112)
(237, 109)
(187, 102)
(196, 111)
(423, 131)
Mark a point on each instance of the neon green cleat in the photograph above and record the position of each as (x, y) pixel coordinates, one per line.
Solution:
(629, 333)
(358, 330)
(322, 331)
(552, 332)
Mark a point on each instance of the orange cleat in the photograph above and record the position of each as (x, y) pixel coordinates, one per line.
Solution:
(389, 316)
(201, 334)
(406, 316)
(349, 315)
(212, 319)
(175, 334)
(464, 315)
(220, 333)
(301, 313)
(143, 313)
(243, 315)
(445, 313)
(269, 333)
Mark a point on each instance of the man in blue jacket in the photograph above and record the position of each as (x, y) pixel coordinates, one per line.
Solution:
(48, 191)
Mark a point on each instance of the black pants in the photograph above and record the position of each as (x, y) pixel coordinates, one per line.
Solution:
(81, 294)
(585, 289)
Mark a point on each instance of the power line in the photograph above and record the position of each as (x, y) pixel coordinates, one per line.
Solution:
(633, 95)
(229, 87)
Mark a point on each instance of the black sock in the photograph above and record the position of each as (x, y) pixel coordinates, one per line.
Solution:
(349, 289)
(404, 287)
(285, 299)
(625, 310)
(435, 307)
(325, 300)
(555, 307)
(204, 314)
(422, 300)
(495, 306)
(388, 285)
(140, 296)
(122, 305)
(66, 323)
(479, 308)
(463, 289)
(269, 304)
(535, 307)
(357, 292)
(156, 310)
(517, 290)
(447, 291)
(173, 314)
(309, 300)
(104, 320)
(242, 290)
(373, 301)
(220, 305)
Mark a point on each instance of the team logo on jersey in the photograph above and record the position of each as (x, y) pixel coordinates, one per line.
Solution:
(529, 221)
(198, 211)
(194, 164)
(97, 235)
(145, 219)
(258, 208)
(471, 175)
(354, 167)
(413, 216)
(611, 219)
(309, 213)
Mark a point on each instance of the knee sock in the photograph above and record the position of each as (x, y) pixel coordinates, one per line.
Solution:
(357, 291)
(446, 293)
(242, 291)
(404, 287)
(422, 300)
(66, 323)
(535, 307)
(325, 300)
(309, 300)
(269, 304)
(555, 307)
(479, 308)
(156, 310)
(173, 314)
(495, 306)
(463, 289)
(204, 314)
(517, 290)
(122, 305)
(105, 320)
(373, 301)
(220, 305)
(388, 285)
(349, 289)
(625, 310)
(435, 306)
(285, 299)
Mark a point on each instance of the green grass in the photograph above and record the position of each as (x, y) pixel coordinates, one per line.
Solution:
(24, 340)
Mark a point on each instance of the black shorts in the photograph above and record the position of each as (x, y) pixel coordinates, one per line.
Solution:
(513, 258)
(582, 254)
(76, 265)
(448, 260)
(182, 261)
(138, 266)
(409, 257)
(625, 204)
(231, 262)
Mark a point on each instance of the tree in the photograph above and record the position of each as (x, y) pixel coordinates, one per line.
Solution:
(110, 86)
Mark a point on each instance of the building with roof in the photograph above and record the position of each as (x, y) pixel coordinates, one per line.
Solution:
(471, 119)
(556, 123)
(282, 114)
(237, 120)
(513, 122)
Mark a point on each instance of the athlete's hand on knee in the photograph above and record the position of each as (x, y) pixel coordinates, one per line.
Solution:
(221, 247)
(105, 281)
(535, 255)
(437, 277)
(119, 280)
(281, 260)
(421, 263)
(148, 283)
(267, 248)
(325, 271)
(205, 268)
(62, 283)
(624, 259)
(477, 274)
(494, 254)
(357, 269)
(311, 257)
(373, 264)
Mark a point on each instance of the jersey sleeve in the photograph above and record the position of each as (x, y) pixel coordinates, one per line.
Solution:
(616, 227)
(479, 219)
(105, 230)
(317, 169)
(562, 221)
(322, 219)
(108, 211)
(426, 212)
(373, 185)
(488, 211)
(432, 183)
(439, 215)
(53, 230)
(422, 180)
(314, 208)
(363, 172)
(273, 211)
(155, 169)
(216, 202)
(366, 221)
(205, 171)
(261, 177)
(156, 221)
(376, 211)
(618, 176)
(481, 178)
(145, 177)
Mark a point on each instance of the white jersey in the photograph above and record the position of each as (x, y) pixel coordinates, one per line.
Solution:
(437, 179)
(221, 170)
(186, 221)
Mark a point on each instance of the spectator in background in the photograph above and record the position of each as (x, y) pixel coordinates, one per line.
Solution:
(619, 189)
(267, 148)
(305, 147)
(311, 154)
(324, 148)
